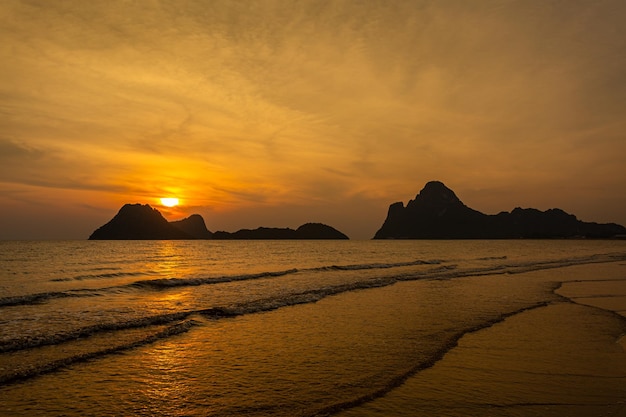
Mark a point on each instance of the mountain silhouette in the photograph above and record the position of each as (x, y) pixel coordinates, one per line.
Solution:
(318, 231)
(311, 231)
(194, 226)
(142, 222)
(437, 213)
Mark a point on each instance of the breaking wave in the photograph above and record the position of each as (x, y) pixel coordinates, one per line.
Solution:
(160, 326)
(443, 272)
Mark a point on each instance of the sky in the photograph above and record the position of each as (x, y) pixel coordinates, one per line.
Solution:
(278, 112)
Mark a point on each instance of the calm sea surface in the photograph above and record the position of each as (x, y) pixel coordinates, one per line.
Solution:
(304, 328)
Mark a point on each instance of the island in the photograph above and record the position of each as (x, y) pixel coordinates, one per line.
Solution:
(310, 231)
(142, 222)
(437, 213)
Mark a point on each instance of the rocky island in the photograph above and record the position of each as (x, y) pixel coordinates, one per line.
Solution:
(437, 213)
(311, 231)
(142, 222)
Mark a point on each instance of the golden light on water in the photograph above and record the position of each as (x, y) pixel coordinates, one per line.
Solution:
(169, 201)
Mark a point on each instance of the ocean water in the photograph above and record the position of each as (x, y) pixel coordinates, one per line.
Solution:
(307, 328)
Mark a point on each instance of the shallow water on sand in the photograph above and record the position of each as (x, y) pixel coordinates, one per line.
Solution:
(562, 359)
(356, 328)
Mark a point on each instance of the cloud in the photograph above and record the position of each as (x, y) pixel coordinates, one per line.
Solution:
(281, 102)
(10, 151)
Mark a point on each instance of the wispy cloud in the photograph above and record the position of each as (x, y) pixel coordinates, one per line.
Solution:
(269, 102)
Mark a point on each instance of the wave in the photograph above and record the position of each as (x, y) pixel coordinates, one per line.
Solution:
(217, 312)
(183, 322)
(444, 272)
(272, 303)
(529, 266)
(34, 341)
(356, 267)
(193, 282)
(161, 283)
(35, 371)
(164, 283)
(491, 258)
(173, 320)
(37, 298)
(101, 276)
(447, 345)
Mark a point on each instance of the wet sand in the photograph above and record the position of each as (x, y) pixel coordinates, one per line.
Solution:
(478, 345)
(565, 359)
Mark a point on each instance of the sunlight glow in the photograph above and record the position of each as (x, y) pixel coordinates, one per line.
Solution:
(169, 201)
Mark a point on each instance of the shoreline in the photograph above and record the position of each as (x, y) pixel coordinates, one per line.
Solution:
(489, 334)
(567, 358)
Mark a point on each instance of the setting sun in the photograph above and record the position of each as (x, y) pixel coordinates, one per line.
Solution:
(169, 201)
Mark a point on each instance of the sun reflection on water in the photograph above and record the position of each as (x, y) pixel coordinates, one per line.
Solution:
(169, 384)
(169, 263)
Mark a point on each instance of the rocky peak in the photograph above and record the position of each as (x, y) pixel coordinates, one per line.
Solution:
(138, 221)
(139, 210)
(437, 213)
(436, 194)
(194, 226)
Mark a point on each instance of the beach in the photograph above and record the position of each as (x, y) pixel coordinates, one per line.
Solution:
(414, 328)
(567, 358)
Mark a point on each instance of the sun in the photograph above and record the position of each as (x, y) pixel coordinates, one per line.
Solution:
(169, 201)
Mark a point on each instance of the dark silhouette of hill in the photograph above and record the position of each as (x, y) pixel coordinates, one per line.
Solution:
(437, 213)
(318, 231)
(259, 233)
(142, 222)
(306, 231)
(138, 221)
(194, 226)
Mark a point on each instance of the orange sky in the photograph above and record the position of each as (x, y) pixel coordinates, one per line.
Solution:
(277, 113)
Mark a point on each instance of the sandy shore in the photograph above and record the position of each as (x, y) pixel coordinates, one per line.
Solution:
(496, 344)
(565, 359)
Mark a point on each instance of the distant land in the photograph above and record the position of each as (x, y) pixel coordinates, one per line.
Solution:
(437, 213)
(142, 222)
(306, 231)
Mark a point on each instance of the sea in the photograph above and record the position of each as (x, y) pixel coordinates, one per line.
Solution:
(313, 328)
